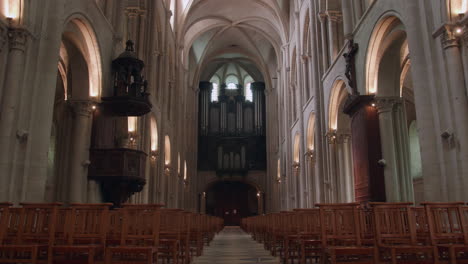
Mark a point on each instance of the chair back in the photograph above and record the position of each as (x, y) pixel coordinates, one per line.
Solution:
(446, 223)
(394, 224)
(87, 224)
(340, 224)
(141, 224)
(37, 223)
(4, 216)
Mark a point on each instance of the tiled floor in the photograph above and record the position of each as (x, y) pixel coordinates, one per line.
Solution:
(233, 246)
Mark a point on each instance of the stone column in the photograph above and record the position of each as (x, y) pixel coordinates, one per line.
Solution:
(396, 181)
(79, 158)
(167, 189)
(334, 33)
(9, 107)
(458, 182)
(314, 185)
(132, 25)
(296, 191)
(323, 29)
(154, 181)
(348, 166)
(348, 24)
(330, 180)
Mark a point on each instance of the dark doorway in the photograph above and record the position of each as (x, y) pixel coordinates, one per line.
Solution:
(231, 201)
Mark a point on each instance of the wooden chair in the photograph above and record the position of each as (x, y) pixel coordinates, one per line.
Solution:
(139, 237)
(115, 228)
(196, 236)
(396, 238)
(35, 231)
(185, 229)
(4, 216)
(422, 225)
(342, 236)
(169, 242)
(447, 227)
(291, 240)
(86, 229)
(310, 235)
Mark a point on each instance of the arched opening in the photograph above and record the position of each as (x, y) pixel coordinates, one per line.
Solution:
(341, 151)
(78, 82)
(232, 201)
(389, 78)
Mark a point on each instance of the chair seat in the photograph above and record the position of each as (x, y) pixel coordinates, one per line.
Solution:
(143, 249)
(351, 249)
(458, 246)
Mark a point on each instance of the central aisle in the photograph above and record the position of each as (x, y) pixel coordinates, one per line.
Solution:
(234, 246)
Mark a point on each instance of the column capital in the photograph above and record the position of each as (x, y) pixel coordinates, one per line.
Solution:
(343, 138)
(310, 155)
(296, 166)
(3, 36)
(167, 169)
(17, 38)
(386, 104)
(331, 137)
(334, 16)
(82, 108)
(133, 12)
(448, 35)
(322, 17)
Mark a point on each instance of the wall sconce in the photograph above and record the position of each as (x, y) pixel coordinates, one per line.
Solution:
(296, 165)
(154, 155)
(258, 194)
(331, 136)
(167, 169)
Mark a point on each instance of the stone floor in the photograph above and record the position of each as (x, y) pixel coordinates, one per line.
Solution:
(234, 246)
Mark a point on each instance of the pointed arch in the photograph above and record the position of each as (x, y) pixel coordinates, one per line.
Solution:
(81, 34)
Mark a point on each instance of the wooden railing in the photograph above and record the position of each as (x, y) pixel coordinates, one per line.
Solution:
(94, 233)
(375, 233)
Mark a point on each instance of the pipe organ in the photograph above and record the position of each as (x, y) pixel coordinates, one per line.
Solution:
(232, 130)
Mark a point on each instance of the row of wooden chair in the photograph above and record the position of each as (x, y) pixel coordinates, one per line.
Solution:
(371, 233)
(95, 233)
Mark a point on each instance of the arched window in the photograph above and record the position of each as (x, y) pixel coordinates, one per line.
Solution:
(231, 86)
(167, 150)
(248, 92)
(178, 163)
(232, 82)
(214, 93)
(173, 3)
(154, 134)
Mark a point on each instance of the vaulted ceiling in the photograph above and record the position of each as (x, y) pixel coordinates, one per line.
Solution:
(245, 33)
